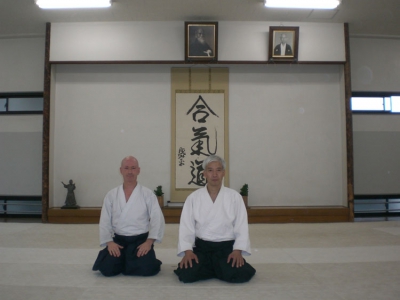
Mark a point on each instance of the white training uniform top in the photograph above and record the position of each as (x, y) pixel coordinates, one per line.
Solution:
(222, 220)
(140, 214)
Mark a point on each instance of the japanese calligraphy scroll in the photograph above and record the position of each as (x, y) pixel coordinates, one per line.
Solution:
(199, 115)
(199, 133)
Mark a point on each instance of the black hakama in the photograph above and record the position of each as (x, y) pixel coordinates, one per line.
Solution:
(213, 257)
(128, 263)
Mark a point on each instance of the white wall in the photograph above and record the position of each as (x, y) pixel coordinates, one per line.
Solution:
(103, 113)
(287, 134)
(286, 131)
(159, 41)
(376, 142)
(21, 154)
(21, 70)
(22, 64)
(108, 112)
(248, 41)
(375, 67)
(375, 64)
(122, 110)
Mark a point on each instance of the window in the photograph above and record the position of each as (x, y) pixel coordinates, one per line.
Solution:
(376, 205)
(21, 103)
(396, 104)
(375, 102)
(20, 205)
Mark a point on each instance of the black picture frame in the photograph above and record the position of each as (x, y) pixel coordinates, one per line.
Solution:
(290, 36)
(201, 41)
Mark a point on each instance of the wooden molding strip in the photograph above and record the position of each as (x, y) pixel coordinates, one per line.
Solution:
(46, 127)
(255, 215)
(181, 62)
(349, 126)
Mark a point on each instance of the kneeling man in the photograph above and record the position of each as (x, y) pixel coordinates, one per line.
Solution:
(213, 231)
(131, 221)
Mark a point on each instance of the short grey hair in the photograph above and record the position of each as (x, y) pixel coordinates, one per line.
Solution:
(212, 158)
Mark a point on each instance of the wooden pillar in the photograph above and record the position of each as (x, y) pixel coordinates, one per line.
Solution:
(46, 128)
(349, 126)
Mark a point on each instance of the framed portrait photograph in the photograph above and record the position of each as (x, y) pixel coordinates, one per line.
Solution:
(201, 41)
(283, 43)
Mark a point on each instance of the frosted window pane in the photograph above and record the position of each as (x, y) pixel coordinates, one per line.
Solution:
(367, 103)
(395, 103)
(25, 104)
(3, 104)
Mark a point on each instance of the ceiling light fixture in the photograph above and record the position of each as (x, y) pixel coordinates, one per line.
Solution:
(310, 4)
(48, 4)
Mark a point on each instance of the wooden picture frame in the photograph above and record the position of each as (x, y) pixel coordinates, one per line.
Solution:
(201, 41)
(290, 38)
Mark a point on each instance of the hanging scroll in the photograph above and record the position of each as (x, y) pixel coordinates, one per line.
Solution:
(199, 133)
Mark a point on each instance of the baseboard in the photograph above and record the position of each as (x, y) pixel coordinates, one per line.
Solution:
(255, 215)
(83, 215)
(298, 214)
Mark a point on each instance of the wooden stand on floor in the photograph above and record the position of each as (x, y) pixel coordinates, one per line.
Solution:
(89, 215)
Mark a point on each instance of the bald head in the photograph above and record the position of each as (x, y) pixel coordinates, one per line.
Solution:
(130, 170)
(129, 158)
(283, 38)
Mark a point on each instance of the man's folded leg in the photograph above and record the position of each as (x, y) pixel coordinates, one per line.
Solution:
(109, 265)
(147, 265)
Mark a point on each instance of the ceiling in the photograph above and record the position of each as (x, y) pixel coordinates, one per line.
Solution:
(380, 18)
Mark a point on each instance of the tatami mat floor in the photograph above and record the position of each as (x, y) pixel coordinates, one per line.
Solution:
(338, 261)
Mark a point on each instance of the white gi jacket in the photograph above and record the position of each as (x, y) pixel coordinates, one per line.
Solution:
(222, 220)
(140, 214)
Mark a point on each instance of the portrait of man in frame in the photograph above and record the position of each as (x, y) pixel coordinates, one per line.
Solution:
(283, 43)
(201, 41)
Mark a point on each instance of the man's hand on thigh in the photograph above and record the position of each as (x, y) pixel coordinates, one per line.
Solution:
(113, 249)
(144, 248)
(187, 260)
(237, 259)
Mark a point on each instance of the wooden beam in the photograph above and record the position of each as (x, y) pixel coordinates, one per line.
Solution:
(349, 126)
(46, 127)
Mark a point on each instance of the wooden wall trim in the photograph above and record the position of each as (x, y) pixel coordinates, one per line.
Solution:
(181, 62)
(255, 215)
(46, 127)
(349, 126)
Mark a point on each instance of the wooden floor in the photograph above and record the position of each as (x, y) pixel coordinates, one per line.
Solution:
(255, 215)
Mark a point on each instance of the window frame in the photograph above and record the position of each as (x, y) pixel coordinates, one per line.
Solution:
(374, 95)
(8, 96)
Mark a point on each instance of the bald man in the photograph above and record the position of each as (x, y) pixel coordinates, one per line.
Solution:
(283, 48)
(131, 221)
